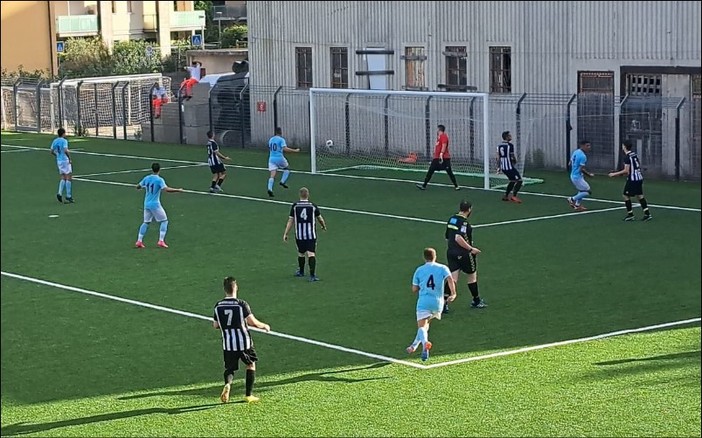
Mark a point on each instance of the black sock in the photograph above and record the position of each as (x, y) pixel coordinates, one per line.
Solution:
(510, 186)
(629, 208)
(220, 181)
(473, 288)
(228, 376)
(451, 176)
(214, 183)
(517, 187)
(644, 206)
(250, 378)
(301, 264)
(313, 264)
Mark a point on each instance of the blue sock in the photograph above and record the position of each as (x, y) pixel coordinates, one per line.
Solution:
(69, 191)
(164, 228)
(286, 175)
(270, 184)
(580, 196)
(62, 184)
(142, 231)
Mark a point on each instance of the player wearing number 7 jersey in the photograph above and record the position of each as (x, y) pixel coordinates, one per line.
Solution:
(428, 283)
(153, 185)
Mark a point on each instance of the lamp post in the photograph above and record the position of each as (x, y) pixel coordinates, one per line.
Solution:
(219, 26)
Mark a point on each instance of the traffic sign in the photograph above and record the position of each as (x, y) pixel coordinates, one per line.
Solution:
(149, 51)
(60, 46)
(196, 40)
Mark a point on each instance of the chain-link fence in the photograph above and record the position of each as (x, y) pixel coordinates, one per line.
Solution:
(666, 131)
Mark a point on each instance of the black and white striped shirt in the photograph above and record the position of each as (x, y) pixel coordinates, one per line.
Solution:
(632, 160)
(505, 154)
(212, 158)
(305, 213)
(231, 314)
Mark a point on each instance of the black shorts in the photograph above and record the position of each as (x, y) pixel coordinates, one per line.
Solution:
(437, 164)
(512, 174)
(232, 358)
(633, 188)
(218, 168)
(465, 262)
(304, 246)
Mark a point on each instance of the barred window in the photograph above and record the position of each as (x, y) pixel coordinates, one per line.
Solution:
(456, 66)
(339, 67)
(303, 65)
(500, 69)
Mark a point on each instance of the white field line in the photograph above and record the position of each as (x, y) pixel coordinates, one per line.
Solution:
(567, 342)
(374, 178)
(361, 212)
(359, 352)
(16, 150)
(206, 318)
(148, 169)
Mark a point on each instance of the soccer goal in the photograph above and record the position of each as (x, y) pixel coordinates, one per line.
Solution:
(364, 131)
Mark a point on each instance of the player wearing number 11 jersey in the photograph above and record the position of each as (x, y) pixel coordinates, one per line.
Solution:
(428, 283)
(153, 185)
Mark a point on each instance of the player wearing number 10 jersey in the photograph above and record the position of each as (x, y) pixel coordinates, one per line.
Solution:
(304, 215)
(428, 283)
(153, 185)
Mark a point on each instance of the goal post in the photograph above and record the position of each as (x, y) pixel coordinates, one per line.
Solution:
(377, 131)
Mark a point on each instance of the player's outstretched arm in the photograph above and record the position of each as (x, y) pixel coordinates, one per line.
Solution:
(222, 157)
(138, 186)
(172, 190)
(624, 171)
(287, 149)
(251, 320)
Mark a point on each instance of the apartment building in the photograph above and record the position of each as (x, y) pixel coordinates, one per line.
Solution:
(32, 29)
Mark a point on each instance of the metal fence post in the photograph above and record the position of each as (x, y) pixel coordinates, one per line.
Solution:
(114, 110)
(97, 115)
(427, 125)
(275, 107)
(60, 102)
(518, 128)
(124, 110)
(151, 110)
(38, 91)
(79, 126)
(15, 108)
(242, 118)
(347, 122)
(471, 128)
(569, 128)
(677, 139)
(386, 125)
(209, 107)
(180, 114)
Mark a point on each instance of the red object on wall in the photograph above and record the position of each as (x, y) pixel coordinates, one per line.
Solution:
(261, 107)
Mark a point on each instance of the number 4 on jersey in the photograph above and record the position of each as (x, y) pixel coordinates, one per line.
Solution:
(430, 282)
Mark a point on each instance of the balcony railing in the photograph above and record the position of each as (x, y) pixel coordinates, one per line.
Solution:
(76, 25)
(187, 20)
(229, 13)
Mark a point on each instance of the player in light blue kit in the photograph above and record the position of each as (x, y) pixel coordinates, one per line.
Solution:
(154, 184)
(428, 282)
(276, 159)
(577, 175)
(59, 149)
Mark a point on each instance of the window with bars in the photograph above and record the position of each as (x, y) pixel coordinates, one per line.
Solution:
(303, 66)
(415, 60)
(596, 82)
(643, 84)
(456, 66)
(500, 69)
(339, 67)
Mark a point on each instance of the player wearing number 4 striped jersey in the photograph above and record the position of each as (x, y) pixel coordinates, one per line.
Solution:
(428, 283)
(304, 216)
(232, 317)
(634, 183)
(153, 185)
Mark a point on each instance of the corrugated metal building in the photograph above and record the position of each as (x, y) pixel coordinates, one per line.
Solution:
(605, 52)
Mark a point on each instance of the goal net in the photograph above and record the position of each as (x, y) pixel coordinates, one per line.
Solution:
(377, 131)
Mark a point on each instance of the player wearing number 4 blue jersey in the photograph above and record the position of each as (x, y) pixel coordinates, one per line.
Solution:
(153, 185)
(276, 159)
(428, 283)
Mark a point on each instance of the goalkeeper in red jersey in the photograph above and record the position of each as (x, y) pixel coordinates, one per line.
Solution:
(441, 159)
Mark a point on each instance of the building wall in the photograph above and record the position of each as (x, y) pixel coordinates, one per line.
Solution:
(32, 47)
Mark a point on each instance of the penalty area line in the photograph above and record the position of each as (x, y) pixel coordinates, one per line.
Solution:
(206, 318)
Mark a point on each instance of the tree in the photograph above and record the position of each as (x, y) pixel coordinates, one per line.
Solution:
(131, 57)
(85, 57)
(232, 35)
(211, 30)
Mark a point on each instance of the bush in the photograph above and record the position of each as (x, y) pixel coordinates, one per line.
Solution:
(234, 34)
(129, 57)
(85, 57)
(177, 59)
(9, 77)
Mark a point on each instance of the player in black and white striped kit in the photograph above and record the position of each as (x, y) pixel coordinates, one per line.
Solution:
(231, 316)
(506, 160)
(304, 216)
(214, 160)
(634, 183)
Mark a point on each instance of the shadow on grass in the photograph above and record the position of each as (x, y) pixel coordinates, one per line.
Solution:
(673, 356)
(24, 428)
(682, 369)
(324, 376)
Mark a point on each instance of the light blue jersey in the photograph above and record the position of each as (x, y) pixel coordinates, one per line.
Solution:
(275, 147)
(59, 147)
(578, 160)
(430, 278)
(153, 184)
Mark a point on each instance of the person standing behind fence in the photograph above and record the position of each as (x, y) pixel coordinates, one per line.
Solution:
(159, 96)
(194, 72)
(59, 149)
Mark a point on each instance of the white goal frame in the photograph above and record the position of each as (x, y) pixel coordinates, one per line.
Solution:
(486, 117)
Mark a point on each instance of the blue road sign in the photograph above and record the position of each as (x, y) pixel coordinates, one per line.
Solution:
(60, 46)
(196, 40)
(149, 51)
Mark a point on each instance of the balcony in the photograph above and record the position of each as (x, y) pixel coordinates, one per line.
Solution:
(150, 22)
(187, 20)
(235, 13)
(76, 25)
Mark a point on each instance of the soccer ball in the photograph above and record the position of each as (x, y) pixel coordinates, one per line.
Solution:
(329, 143)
